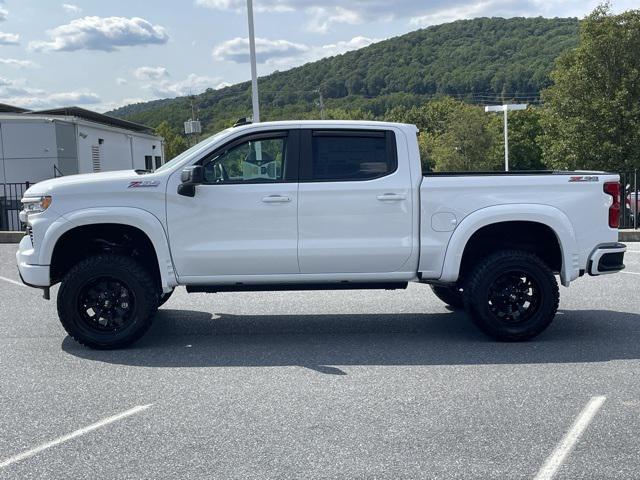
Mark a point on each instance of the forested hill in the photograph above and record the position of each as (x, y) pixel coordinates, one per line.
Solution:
(474, 60)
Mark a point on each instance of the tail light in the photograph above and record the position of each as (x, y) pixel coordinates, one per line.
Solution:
(613, 189)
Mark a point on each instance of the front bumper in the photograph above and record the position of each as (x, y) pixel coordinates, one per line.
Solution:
(607, 258)
(32, 275)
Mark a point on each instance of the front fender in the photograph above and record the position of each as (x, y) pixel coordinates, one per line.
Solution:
(544, 214)
(134, 217)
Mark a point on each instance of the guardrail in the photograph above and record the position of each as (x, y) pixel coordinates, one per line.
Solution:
(630, 200)
(10, 206)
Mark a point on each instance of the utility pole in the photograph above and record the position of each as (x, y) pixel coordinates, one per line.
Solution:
(506, 108)
(254, 69)
(321, 105)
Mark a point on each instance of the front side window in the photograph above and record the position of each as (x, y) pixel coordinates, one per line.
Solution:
(350, 157)
(253, 161)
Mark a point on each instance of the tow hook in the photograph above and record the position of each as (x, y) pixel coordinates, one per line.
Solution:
(46, 293)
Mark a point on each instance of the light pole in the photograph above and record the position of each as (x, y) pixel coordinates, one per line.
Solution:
(254, 69)
(505, 109)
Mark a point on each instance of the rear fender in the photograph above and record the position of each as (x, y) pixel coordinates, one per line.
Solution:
(544, 214)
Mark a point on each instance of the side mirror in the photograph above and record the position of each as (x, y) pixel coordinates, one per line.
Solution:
(190, 177)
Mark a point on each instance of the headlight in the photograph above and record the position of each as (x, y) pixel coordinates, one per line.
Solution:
(35, 204)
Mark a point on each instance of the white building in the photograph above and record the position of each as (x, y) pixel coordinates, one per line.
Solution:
(37, 145)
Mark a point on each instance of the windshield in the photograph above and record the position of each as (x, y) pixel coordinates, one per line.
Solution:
(191, 151)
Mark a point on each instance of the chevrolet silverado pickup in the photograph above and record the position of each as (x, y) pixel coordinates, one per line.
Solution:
(304, 205)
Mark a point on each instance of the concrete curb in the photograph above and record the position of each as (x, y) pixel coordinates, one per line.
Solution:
(630, 235)
(11, 237)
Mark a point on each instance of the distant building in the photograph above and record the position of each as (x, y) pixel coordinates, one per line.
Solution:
(37, 145)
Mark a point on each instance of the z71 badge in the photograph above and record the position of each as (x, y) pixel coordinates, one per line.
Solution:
(582, 178)
(144, 184)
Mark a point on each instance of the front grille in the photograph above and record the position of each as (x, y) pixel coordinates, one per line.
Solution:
(30, 233)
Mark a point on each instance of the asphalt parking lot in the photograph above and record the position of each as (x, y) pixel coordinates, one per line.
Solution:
(324, 385)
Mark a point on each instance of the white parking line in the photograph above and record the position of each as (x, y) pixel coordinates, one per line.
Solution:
(72, 435)
(15, 282)
(631, 273)
(556, 459)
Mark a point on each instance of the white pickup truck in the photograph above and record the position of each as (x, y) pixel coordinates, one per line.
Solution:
(314, 205)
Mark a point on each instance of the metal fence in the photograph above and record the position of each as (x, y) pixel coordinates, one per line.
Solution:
(10, 206)
(630, 201)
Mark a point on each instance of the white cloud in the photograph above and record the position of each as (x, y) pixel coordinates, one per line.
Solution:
(9, 38)
(341, 47)
(324, 14)
(13, 62)
(108, 106)
(18, 92)
(121, 81)
(73, 98)
(150, 73)
(70, 8)
(3, 14)
(489, 8)
(237, 50)
(192, 85)
(102, 33)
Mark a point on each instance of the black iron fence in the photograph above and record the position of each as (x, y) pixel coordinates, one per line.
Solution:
(630, 201)
(10, 206)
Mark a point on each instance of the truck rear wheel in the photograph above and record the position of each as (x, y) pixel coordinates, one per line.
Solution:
(107, 301)
(512, 296)
(451, 296)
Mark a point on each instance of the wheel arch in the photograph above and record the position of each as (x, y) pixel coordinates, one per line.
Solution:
(541, 217)
(134, 219)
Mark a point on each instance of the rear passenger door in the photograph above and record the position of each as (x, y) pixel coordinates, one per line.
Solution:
(355, 204)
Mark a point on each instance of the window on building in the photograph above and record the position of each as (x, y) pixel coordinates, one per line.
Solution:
(158, 161)
(351, 157)
(148, 162)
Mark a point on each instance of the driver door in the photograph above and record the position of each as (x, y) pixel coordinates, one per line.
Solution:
(243, 219)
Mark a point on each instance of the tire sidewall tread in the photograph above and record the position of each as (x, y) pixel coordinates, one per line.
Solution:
(137, 278)
(476, 302)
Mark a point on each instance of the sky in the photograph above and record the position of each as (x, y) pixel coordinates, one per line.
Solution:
(102, 54)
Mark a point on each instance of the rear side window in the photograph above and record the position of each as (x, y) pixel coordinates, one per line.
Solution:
(351, 156)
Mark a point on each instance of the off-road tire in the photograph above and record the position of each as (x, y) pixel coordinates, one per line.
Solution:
(487, 278)
(451, 296)
(138, 281)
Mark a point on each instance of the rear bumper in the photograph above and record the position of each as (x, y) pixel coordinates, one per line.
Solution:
(32, 275)
(607, 258)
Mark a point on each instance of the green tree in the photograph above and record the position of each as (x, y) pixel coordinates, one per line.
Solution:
(174, 143)
(525, 131)
(468, 142)
(591, 118)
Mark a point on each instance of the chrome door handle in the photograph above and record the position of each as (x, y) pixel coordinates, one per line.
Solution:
(276, 199)
(392, 197)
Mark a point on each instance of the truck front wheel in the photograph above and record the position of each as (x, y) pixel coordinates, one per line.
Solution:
(512, 295)
(107, 301)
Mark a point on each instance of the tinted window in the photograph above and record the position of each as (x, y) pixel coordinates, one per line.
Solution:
(252, 161)
(351, 157)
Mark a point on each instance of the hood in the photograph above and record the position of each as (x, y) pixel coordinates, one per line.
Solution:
(89, 180)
